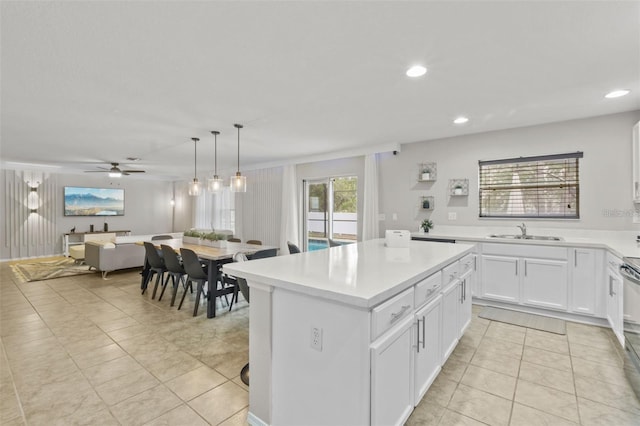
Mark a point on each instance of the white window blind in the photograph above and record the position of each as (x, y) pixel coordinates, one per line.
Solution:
(531, 187)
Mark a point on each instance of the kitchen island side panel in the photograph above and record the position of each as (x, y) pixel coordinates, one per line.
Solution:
(312, 387)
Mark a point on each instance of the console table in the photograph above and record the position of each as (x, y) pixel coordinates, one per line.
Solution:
(73, 238)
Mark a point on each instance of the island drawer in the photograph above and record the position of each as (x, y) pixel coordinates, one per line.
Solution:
(450, 274)
(467, 263)
(427, 288)
(389, 313)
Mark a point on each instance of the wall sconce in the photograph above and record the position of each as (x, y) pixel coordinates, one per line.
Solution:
(172, 202)
(33, 189)
(33, 210)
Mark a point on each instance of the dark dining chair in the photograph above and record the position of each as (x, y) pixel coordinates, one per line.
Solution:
(175, 271)
(156, 266)
(255, 242)
(197, 273)
(292, 248)
(261, 254)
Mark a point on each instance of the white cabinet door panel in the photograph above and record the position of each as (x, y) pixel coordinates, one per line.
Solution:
(545, 283)
(500, 278)
(392, 376)
(427, 354)
(450, 322)
(584, 289)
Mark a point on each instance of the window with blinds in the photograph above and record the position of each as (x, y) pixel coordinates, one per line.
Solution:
(531, 187)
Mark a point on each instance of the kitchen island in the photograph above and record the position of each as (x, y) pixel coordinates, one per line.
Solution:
(352, 334)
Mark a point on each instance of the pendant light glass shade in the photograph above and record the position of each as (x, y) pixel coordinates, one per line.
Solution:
(194, 186)
(238, 182)
(215, 184)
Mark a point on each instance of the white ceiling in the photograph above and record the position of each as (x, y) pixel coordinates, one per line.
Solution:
(84, 83)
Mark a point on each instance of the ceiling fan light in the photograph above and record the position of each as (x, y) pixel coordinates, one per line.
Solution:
(215, 184)
(115, 174)
(238, 183)
(194, 188)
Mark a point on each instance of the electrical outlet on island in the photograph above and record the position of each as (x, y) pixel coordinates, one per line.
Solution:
(453, 216)
(316, 338)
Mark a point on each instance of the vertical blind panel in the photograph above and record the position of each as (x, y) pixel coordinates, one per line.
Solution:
(259, 209)
(548, 188)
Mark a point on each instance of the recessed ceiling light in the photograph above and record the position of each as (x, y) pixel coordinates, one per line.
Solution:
(460, 120)
(617, 93)
(416, 71)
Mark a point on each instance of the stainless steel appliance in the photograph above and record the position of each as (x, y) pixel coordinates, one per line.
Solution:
(630, 271)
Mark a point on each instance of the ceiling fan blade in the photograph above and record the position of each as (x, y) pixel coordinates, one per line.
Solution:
(96, 171)
(133, 171)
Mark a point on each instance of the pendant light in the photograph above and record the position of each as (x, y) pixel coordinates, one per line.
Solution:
(194, 187)
(215, 184)
(238, 182)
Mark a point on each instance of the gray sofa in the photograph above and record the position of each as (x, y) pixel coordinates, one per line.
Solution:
(106, 257)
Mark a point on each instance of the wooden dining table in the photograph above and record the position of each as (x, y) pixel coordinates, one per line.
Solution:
(214, 257)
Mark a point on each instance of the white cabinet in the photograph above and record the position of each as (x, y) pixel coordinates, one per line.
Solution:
(500, 278)
(428, 357)
(544, 283)
(392, 376)
(450, 324)
(585, 280)
(614, 297)
(525, 274)
(464, 310)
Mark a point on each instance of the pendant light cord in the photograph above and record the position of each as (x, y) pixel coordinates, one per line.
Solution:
(238, 126)
(215, 153)
(195, 158)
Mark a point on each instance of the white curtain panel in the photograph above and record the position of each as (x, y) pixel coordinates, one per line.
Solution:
(370, 224)
(290, 209)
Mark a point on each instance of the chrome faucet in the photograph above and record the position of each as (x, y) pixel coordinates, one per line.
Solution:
(523, 228)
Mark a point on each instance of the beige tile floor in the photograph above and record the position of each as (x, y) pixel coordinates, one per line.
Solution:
(82, 350)
(502, 374)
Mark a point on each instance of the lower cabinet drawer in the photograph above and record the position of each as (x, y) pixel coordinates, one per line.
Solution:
(427, 289)
(388, 314)
(450, 274)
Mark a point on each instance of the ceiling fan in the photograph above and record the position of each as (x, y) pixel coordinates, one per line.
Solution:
(114, 171)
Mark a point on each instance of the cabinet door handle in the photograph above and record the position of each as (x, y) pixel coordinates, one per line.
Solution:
(475, 264)
(575, 257)
(395, 316)
(525, 268)
(611, 292)
(424, 326)
(516, 267)
(418, 335)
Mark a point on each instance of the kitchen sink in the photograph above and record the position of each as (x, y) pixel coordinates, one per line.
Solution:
(526, 237)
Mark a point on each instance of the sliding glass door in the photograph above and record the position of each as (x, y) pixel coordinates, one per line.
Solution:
(331, 211)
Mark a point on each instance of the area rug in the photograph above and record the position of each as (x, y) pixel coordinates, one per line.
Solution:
(551, 325)
(46, 269)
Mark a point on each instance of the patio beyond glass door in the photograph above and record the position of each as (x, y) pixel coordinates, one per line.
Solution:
(330, 211)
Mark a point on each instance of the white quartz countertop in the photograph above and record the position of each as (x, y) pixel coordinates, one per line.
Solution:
(362, 275)
(620, 243)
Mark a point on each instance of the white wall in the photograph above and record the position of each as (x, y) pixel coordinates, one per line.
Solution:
(147, 211)
(605, 172)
